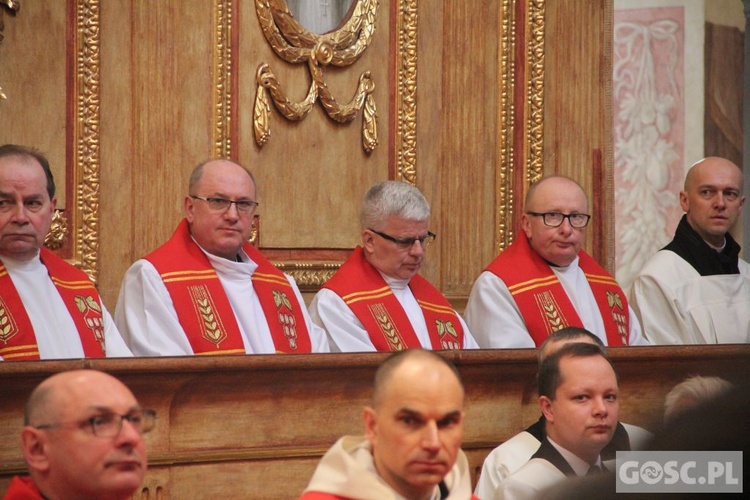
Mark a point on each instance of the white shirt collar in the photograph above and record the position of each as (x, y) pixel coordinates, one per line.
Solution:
(579, 466)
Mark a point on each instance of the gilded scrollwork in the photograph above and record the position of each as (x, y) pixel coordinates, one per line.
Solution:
(58, 231)
(87, 156)
(406, 95)
(11, 6)
(222, 80)
(535, 90)
(294, 44)
(309, 275)
(506, 109)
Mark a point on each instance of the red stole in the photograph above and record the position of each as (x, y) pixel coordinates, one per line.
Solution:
(204, 310)
(22, 488)
(365, 291)
(17, 338)
(544, 304)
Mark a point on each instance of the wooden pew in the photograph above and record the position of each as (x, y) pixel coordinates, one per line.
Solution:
(255, 426)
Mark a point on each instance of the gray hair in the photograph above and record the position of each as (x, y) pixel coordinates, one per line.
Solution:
(393, 198)
(693, 391)
(197, 173)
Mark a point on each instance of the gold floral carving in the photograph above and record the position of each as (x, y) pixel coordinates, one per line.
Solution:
(13, 6)
(87, 156)
(406, 94)
(535, 90)
(507, 69)
(294, 44)
(57, 231)
(310, 276)
(222, 71)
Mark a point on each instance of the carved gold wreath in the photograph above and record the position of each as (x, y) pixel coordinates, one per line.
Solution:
(295, 44)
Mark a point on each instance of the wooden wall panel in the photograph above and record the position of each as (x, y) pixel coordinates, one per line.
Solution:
(578, 108)
(158, 119)
(313, 173)
(256, 426)
(457, 136)
(33, 77)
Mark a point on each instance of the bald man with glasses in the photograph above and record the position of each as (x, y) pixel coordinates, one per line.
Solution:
(208, 290)
(377, 301)
(544, 281)
(82, 439)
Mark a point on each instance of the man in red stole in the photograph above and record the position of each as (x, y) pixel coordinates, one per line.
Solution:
(82, 438)
(49, 309)
(544, 281)
(376, 301)
(207, 291)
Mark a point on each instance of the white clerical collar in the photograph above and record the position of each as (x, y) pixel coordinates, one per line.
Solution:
(564, 269)
(395, 283)
(718, 249)
(579, 466)
(222, 263)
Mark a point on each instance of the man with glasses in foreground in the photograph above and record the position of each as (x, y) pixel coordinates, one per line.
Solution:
(376, 301)
(544, 281)
(207, 290)
(82, 439)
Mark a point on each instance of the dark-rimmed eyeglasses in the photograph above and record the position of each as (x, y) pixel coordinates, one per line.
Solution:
(405, 243)
(555, 219)
(223, 204)
(108, 425)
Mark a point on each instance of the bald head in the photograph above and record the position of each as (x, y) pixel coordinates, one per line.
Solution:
(712, 199)
(567, 335)
(548, 186)
(409, 364)
(416, 418)
(82, 437)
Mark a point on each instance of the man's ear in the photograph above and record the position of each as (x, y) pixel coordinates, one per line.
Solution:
(189, 204)
(370, 418)
(368, 240)
(546, 405)
(526, 225)
(34, 448)
(684, 201)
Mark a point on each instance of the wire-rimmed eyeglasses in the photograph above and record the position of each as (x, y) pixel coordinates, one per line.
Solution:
(108, 424)
(223, 204)
(405, 243)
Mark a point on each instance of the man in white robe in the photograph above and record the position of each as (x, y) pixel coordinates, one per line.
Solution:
(413, 438)
(696, 290)
(511, 455)
(579, 392)
(383, 275)
(556, 283)
(212, 240)
(45, 301)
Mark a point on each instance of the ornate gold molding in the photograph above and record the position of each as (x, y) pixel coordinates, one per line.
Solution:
(310, 276)
(406, 94)
(12, 6)
(85, 216)
(222, 78)
(295, 44)
(58, 231)
(506, 111)
(535, 91)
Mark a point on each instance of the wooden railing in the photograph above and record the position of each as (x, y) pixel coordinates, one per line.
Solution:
(255, 426)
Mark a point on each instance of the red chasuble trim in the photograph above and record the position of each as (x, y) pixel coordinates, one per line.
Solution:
(383, 316)
(543, 302)
(204, 310)
(17, 337)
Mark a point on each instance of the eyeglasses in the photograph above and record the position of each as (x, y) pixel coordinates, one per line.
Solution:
(555, 219)
(405, 243)
(107, 425)
(222, 204)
